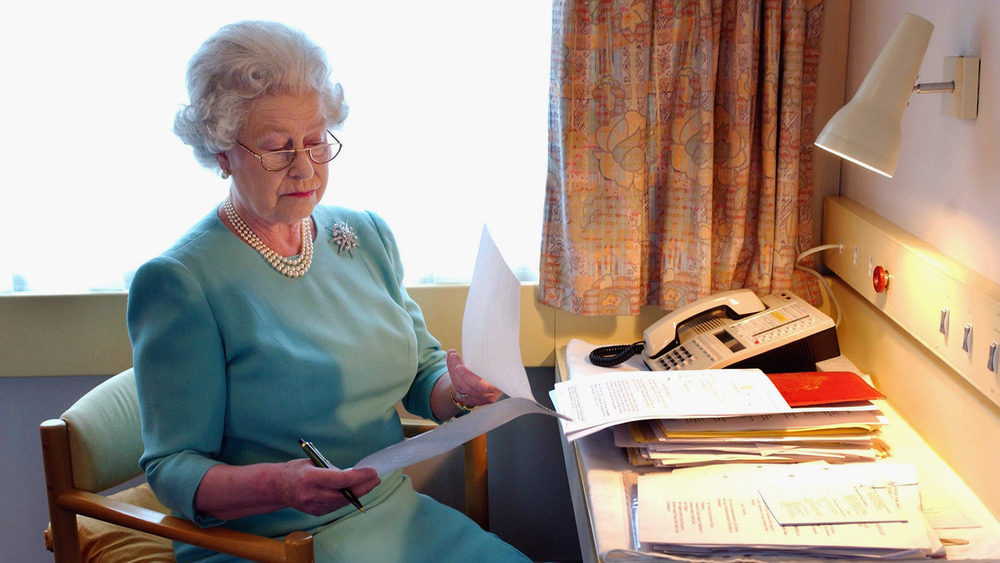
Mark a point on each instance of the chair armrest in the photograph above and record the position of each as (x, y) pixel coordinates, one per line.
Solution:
(297, 547)
(415, 426)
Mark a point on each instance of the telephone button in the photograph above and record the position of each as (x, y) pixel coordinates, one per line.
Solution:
(680, 358)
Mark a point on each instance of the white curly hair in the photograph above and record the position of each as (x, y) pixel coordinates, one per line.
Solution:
(239, 63)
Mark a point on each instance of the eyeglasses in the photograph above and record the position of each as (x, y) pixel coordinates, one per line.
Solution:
(279, 160)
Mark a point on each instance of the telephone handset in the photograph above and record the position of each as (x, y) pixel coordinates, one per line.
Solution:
(665, 333)
(777, 333)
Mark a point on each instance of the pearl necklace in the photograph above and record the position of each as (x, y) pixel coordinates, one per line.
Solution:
(291, 267)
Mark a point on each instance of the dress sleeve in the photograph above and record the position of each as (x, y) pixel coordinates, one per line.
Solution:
(431, 364)
(180, 371)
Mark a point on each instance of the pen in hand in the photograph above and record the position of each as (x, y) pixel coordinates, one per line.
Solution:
(320, 461)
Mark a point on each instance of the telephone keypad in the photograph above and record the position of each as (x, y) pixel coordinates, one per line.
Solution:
(682, 358)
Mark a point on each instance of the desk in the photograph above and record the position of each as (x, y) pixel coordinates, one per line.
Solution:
(596, 470)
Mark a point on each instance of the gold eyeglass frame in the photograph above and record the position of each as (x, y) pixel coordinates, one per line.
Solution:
(294, 153)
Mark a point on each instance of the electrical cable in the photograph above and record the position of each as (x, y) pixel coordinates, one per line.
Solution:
(822, 280)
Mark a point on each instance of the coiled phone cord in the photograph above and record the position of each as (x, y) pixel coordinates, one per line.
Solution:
(611, 356)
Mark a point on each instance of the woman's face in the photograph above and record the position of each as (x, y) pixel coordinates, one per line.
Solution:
(265, 198)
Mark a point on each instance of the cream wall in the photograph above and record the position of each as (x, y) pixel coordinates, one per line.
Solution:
(952, 417)
(946, 189)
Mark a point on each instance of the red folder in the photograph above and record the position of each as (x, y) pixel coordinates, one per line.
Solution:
(809, 388)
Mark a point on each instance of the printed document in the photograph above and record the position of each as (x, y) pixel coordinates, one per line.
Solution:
(618, 397)
(722, 509)
(822, 503)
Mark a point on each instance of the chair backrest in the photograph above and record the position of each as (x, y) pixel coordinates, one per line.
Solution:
(105, 439)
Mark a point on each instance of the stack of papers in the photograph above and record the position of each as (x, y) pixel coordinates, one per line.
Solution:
(835, 436)
(860, 510)
(688, 418)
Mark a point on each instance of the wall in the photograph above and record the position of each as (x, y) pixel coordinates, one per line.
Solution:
(24, 403)
(952, 417)
(946, 189)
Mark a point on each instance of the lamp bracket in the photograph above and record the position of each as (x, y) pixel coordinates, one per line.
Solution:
(934, 87)
(961, 87)
(963, 101)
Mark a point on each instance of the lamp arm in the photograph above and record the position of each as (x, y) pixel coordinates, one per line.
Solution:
(934, 87)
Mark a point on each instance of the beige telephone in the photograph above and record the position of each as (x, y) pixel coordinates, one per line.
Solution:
(777, 333)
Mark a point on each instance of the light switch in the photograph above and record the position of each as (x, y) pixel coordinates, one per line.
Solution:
(967, 338)
(993, 362)
(945, 316)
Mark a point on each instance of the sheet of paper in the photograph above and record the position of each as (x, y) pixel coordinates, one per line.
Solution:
(839, 503)
(720, 506)
(450, 434)
(491, 325)
(490, 348)
(595, 403)
(790, 422)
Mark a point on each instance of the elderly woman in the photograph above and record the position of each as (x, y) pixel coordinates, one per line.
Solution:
(275, 319)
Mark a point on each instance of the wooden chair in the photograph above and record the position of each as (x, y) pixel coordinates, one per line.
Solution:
(95, 445)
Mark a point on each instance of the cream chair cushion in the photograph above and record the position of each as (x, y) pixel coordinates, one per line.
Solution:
(105, 443)
(106, 438)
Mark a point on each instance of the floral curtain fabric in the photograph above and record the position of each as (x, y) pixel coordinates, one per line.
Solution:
(680, 151)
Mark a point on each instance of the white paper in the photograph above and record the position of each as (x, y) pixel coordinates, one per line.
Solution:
(490, 348)
(450, 434)
(491, 325)
(941, 510)
(719, 506)
(861, 420)
(617, 397)
(840, 503)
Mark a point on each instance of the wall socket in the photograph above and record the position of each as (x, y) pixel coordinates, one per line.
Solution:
(949, 308)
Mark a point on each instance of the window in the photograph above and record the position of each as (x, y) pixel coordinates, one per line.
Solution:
(447, 131)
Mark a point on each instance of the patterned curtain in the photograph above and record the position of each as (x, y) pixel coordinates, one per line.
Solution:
(680, 151)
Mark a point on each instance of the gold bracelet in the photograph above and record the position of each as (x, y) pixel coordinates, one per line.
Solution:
(454, 401)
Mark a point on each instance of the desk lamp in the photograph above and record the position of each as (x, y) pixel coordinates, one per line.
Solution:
(868, 130)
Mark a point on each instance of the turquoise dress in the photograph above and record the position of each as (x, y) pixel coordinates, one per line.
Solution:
(235, 363)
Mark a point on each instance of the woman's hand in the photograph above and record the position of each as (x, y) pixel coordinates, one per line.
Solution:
(467, 388)
(316, 490)
(235, 491)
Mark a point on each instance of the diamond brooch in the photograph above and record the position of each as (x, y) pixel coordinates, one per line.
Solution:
(344, 237)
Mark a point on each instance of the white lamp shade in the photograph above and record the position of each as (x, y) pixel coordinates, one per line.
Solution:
(868, 130)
